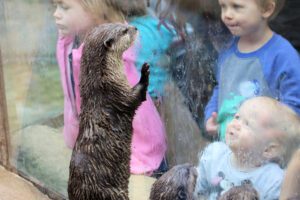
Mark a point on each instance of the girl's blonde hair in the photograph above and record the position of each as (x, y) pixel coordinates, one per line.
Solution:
(278, 6)
(114, 10)
(110, 10)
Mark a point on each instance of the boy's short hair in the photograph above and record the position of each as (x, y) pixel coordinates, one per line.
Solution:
(278, 6)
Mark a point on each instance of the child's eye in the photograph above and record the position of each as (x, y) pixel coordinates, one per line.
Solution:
(55, 4)
(64, 6)
(237, 117)
(236, 6)
(222, 6)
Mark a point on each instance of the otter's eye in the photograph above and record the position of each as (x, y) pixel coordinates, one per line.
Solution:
(182, 193)
(125, 31)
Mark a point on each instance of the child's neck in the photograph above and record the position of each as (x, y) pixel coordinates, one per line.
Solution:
(76, 42)
(79, 39)
(244, 162)
(254, 41)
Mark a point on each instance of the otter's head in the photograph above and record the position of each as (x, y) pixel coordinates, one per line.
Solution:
(111, 38)
(176, 184)
(245, 191)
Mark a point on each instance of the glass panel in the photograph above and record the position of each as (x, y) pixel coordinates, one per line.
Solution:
(181, 40)
(33, 92)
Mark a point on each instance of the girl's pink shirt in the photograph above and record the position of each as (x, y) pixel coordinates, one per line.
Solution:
(149, 138)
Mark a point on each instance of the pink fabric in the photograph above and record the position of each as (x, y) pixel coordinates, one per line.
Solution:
(149, 138)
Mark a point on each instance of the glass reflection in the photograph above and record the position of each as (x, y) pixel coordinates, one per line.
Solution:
(186, 59)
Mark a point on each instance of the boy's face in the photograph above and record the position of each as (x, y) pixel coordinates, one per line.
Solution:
(71, 18)
(242, 17)
(248, 131)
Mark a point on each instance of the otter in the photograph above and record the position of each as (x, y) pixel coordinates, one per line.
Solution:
(244, 191)
(99, 166)
(176, 184)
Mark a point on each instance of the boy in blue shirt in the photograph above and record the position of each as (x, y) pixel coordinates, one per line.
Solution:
(259, 62)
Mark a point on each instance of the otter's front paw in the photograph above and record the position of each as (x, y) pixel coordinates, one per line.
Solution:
(145, 74)
(144, 81)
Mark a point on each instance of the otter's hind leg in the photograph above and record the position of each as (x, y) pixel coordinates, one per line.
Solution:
(140, 89)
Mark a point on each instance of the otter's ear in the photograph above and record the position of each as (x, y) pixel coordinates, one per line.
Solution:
(109, 43)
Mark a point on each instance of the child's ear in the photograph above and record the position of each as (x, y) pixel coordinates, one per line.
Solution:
(269, 9)
(272, 151)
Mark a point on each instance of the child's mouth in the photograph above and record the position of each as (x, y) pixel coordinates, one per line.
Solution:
(232, 26)
(60, 27)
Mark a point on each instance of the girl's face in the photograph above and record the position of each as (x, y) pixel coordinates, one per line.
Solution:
(242, 17)
(72, 19)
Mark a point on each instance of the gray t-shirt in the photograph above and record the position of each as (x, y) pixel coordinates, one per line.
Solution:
(242, 78)
(216, 175)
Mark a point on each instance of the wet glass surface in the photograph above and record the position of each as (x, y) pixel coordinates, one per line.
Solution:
(33, 92)
(28, 37)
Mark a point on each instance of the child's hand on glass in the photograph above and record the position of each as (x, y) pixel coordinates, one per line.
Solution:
(212, 124)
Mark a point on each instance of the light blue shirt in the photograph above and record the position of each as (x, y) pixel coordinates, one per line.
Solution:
(216, 175)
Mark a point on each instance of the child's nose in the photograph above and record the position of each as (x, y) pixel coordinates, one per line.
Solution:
(227, 14)
(236, 124)
(56, 14)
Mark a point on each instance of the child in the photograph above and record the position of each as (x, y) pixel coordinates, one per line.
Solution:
(260, 138)
(154, 40)
(74, 19)
(151, 47)
(259, 62)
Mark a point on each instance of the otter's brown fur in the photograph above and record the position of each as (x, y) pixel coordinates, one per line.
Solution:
(244, 191)
(99, 167)
(176, 184)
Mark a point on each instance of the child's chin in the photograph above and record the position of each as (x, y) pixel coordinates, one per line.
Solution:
(63, 33)
(234, 148)
(231, 143)
(235, 33)
(228, 139)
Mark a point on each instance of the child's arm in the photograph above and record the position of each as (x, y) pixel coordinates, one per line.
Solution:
(291, 184)
(211, 115)
(212, 124)
(287, 78)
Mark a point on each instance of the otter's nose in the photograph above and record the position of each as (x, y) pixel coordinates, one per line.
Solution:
(131, 27)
